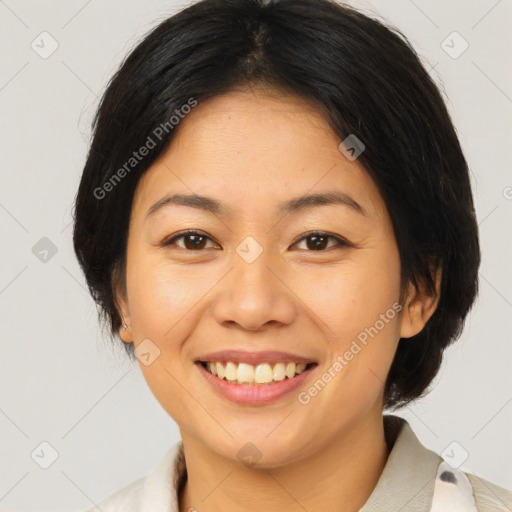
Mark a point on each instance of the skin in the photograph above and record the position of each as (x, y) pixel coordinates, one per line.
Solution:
(251, 149)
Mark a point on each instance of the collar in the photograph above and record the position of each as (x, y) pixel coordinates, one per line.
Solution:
(408, 479)
(406, 483)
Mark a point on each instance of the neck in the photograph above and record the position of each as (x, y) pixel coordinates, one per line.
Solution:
(339, 477)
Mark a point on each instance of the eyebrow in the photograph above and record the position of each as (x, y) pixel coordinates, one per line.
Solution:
(301, 203)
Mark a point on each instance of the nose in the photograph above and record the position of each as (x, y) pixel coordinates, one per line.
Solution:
(255, 295)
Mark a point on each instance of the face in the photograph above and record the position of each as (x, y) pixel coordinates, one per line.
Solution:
(317, 282)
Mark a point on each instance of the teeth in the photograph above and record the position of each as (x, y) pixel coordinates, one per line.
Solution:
(231, 371)
(300, 367)
(245, 373)
(290, 370)
(279, 372)
(264, 373)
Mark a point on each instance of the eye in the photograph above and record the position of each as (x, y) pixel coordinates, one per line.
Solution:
(319, 241)
(196, 240)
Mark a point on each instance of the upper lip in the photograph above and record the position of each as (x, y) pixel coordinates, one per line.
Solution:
(267, 356)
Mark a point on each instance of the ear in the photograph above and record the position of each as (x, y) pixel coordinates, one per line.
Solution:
(419, 306)
(118, 284)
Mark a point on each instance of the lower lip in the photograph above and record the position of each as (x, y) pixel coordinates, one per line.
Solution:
(260, 394)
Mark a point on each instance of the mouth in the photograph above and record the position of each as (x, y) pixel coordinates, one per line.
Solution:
(262, 374)
(255, 384)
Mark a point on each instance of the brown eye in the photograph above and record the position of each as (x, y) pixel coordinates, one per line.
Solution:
(318, 241)
(192, 240)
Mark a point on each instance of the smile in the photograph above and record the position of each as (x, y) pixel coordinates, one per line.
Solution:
(264, 373)
(260, 384)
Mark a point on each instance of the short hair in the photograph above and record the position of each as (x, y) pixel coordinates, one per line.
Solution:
(364, 77)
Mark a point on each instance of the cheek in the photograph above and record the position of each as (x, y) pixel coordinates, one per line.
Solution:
(162, 300)
(358, 311)
(351, 297)
(160, 295)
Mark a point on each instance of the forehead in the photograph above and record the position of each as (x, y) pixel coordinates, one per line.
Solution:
(251, 149)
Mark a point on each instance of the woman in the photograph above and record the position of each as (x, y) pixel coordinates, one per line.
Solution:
(276, 218)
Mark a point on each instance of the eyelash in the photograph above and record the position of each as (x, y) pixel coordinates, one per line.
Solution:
(340, 241)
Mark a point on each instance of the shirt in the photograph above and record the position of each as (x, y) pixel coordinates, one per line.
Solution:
(414, 479)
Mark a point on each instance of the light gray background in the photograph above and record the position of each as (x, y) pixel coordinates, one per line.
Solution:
(61, 383)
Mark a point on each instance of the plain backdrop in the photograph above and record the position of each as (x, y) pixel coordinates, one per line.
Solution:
(61, 381)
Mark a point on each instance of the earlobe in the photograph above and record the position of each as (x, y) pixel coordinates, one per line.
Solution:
(121, 304)
(125, 329)
(419, 306)
(124, 333)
